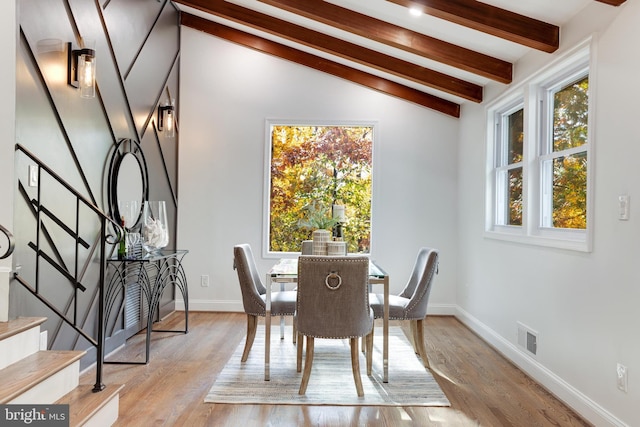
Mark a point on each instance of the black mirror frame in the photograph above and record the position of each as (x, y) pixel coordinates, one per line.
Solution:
(123, 147)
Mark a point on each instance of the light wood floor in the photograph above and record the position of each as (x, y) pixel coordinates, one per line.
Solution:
(484, 389)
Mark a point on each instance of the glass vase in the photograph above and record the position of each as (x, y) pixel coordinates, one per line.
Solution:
(154, 230)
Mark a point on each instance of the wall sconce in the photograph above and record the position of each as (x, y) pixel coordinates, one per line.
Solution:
(166, 119)
(81, 70)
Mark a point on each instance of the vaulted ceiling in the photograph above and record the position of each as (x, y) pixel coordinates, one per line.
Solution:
(435, 53)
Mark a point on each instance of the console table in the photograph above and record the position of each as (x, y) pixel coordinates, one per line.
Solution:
(154, 272)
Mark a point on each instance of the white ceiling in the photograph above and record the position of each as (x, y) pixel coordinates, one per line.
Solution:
(556, 12)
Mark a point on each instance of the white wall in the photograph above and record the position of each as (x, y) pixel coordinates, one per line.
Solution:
(584, 306)
(7, 131)
(227, 92)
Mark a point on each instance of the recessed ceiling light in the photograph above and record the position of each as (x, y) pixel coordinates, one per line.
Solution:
(415, 11)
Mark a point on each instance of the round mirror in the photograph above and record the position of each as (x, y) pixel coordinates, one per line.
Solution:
(129, 188)
(127, 183)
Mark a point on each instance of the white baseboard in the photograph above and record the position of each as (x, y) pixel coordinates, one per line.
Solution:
(442, 310)
(211, 305)
(236, 306)
(564, 391)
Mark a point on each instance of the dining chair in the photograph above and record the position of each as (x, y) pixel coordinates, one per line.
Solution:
(283, 303)
(411, 303)
(333, 302)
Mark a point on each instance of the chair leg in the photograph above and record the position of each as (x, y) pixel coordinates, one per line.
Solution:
(295, 334)
(307, 366)
(422, 350)
(355, 366)
(414, 336)
(252, 327)
(299, 344)
(369, 354)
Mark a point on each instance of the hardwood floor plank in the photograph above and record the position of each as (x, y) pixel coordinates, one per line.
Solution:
(483, 387)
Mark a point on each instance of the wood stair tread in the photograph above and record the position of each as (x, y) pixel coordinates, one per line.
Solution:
(16, 326)
(84, 402)
(24, 374)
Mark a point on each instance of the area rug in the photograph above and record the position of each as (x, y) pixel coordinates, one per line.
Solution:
(331, 381)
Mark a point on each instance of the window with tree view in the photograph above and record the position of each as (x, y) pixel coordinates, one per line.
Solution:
(564, 158)
(509, 167)
(312, 169)
(539, 151)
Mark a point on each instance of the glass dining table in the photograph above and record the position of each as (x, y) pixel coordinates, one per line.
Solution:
(286, 271)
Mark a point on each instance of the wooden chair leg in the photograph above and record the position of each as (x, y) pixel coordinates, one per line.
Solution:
(422, 350)
(299, 345)
(369, 353)
(295, 334)
(252, 327)
(414, 336)
(355, 366)
(307, 366)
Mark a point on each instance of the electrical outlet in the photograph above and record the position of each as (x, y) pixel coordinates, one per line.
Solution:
(621, 372)
(204, 281)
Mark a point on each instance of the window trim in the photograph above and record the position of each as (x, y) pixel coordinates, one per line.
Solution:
(501, 164)
(570, 65)
(266, 206)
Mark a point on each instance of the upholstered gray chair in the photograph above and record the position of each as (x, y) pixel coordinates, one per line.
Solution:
(333, 302)
(411, 303)
(254, 294)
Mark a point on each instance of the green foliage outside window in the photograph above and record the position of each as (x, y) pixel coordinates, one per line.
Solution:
(570, 125)
(319, 166)
(516, 145)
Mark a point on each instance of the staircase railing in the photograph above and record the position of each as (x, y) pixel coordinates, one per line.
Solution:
(10, 240)
(105, 237)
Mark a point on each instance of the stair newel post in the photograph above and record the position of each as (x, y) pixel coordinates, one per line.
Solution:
(99, 386)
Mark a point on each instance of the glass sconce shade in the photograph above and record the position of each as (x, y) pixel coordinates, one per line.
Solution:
(87, 75)
(166, 119)
(81, 70)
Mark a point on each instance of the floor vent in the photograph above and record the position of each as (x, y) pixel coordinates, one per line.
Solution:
(527, 339)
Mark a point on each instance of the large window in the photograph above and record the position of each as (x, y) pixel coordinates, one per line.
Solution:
(312, 169)
(539, 144)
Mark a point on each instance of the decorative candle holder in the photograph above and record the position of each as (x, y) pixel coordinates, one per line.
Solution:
(320, 240)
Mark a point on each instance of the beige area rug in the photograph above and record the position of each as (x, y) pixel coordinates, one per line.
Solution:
(331, 381)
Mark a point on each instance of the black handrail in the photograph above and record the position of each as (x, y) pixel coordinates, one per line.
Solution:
(10, 239)
(105, 238)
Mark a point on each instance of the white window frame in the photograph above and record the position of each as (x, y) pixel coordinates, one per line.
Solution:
(533, 94)
(501, 165)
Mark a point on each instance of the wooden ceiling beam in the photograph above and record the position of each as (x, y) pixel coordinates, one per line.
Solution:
(341, 48)
(612, 2)
(399, 37)
(321, 64)
(491, 20)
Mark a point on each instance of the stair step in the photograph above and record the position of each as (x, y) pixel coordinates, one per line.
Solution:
(89, 408)
(19, 338)
(24, 375)
(21, 324)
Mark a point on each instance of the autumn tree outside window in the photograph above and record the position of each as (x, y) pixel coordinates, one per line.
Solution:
(318, 166)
